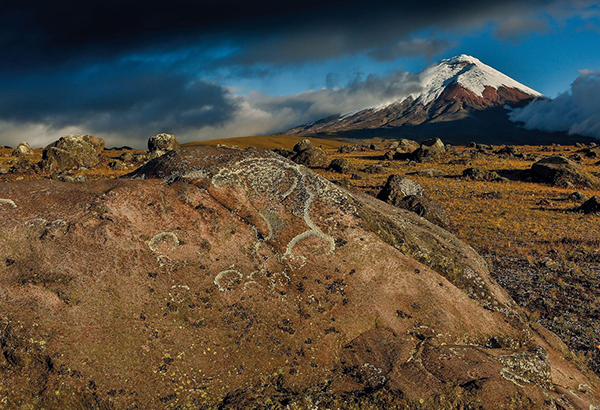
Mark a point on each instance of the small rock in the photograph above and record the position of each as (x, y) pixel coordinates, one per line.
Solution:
(478, 174)
(162, 143)
(430, 172)
(340, 165)
(22, 150)
(578, 197)
(127, 157)
(429, 149)
(117, 165)
(397, 187)
(346, 149)
(374, 169)
(303, 145)
(311, 157)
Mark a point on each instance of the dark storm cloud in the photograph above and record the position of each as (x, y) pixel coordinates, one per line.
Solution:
(40, 33)
(134, 68)
(126, 97)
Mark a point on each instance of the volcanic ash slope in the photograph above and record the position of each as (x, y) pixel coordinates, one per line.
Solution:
(215, 277)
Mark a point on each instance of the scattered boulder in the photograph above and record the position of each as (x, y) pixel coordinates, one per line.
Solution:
(22, 150)
(559, 171)
(431, 172)
(346, 149)
(478, 174)
(303, 145)
(159, 144)
(341, 165)
(429, 149)
(397, 187)
(72, 152)
(507, 151)
(312, 157)
(578, 197)
(425, 207)
(592, 205)
(406, 146)
(127, 157)
(593, 152)
(374, 169)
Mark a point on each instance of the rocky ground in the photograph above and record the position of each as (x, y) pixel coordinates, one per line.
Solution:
(213, 277)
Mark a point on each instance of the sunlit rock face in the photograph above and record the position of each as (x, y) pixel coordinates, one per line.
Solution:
(236, 278)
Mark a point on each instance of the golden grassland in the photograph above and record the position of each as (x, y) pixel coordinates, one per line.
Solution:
(269, 142)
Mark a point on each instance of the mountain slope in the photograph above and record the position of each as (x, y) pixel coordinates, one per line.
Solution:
(460, 97)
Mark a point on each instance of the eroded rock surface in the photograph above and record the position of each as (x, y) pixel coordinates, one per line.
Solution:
(223, 278)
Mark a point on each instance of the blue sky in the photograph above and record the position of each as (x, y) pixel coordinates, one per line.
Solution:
(125, 70)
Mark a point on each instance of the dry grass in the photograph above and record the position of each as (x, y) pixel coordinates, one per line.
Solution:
(269, 142)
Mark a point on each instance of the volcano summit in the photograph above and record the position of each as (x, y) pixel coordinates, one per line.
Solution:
(460, 99)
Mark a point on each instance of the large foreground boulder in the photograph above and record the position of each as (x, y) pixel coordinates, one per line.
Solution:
(222, 278)
(72, 152)
(560, 171)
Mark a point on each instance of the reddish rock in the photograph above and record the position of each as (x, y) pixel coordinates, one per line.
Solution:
(222, 278)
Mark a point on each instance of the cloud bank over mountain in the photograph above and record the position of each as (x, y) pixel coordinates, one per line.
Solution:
(576, 111)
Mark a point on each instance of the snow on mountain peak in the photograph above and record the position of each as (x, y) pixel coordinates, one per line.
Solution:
(466, 71)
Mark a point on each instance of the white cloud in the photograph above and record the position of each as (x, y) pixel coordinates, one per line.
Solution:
(576, 111)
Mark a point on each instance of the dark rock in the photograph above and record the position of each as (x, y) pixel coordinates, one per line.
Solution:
(286, 153)
(429, 149)
(312, 158)
(341, 165)
(346, 149)
(430, 172)
(559, 171)
(72, 152)
(162, 143)
(478, 174)
(425, 207)
(127, 157)
(578, 197)
(592, 205)
(593, 152)
(397, 187)
(117, 165)
(507, 151)
(303, 145)
(374, 169)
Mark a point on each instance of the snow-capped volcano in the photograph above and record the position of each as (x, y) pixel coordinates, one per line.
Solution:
(468, 72)
(459, 95)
